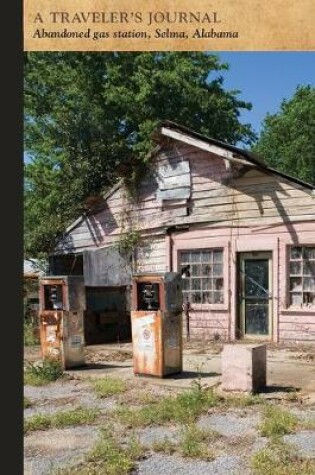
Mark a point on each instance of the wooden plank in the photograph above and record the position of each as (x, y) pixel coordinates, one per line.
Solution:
(222, 152)
(168, 171)
(215, 221)
(173, 194)
(296, 336)
(261, 193)
(252, 204)
(301, 319)
(244, 210)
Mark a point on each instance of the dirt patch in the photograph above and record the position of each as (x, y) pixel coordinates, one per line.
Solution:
(99, 356)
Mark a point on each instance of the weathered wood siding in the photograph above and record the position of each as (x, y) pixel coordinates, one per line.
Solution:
(217, 197)
(244, 209)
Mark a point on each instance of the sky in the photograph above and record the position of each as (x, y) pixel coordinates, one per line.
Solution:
(266, 78)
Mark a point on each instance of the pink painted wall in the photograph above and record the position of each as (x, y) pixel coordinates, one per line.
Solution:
(231, 207)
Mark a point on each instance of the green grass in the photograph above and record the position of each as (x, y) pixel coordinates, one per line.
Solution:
(279, 458)
(277, 422)
(243, 400)
(76, 416)
(29, 337)
(43, 373)
(165, 445)
(183, 408)
(27, 402)
(108, 457)
(195, 442)
(109, 387)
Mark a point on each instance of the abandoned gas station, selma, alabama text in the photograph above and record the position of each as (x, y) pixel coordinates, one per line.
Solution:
(241, 234)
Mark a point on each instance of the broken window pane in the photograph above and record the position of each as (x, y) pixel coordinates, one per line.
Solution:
(195, 256)
(256, 321)
(305, 284)
(217, 256)
(309, 268)
(207, 297)
(295, 268)
(206, 256)
(218, 284)
(309, 298)
(206, 270)
(195, 270)
(196, 284)
(198, 270)
(296, 284)
(309, 252)
(296, 298)
(296, 252)
(218, 297)
(218, 269)
(207, 284)
(196, 297)
(309, 284)
(256, 278)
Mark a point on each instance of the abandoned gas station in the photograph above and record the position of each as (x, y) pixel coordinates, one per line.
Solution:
(240, 234)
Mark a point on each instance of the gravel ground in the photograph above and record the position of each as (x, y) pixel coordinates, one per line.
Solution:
(167, 465)
(64, 395)
(47, 450)
(150, 435)
(231, 425)
(304, 443)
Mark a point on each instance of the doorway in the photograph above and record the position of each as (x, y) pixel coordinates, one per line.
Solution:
(255, 295)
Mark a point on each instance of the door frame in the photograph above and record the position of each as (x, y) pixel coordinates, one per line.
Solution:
(242, 257)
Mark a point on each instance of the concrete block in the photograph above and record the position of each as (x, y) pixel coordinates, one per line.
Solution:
(244, 367)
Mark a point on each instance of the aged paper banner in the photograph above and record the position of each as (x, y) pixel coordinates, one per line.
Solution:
(181, 25)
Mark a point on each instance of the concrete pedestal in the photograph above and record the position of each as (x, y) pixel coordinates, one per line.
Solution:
(244, 367)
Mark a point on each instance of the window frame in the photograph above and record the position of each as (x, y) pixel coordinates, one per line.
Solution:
(289, 306)
(207, 246)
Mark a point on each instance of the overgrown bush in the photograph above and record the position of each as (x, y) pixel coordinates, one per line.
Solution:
(38, 374)
(30, 337)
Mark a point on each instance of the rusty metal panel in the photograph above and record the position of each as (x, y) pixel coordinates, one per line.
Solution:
(156, 322)
(73, 339)
(61, 327)
(172, 344)
(147, 342)
(51, 332)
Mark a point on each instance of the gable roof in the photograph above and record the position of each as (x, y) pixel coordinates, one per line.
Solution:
(235, 152)
(229, 152)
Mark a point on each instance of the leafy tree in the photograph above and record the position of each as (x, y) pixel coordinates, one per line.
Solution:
(89, 119)
(287, 140)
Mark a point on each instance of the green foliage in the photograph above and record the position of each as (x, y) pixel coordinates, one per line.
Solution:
(128, 241)
(108, 457)
(78, 416)
(166, 445)
(27, 402)
(29, 334)
(39, 374)
(183, 408)
(279, 458)
(287, 140)
(89, 118)
(277, 422)
(109, 387)
(195, 442)
(37, 422)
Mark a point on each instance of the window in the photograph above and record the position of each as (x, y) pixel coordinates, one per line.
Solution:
(302, 276)
(202, 276)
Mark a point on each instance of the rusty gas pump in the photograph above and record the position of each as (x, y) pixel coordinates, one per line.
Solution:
(156, 322)
(62, 305)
